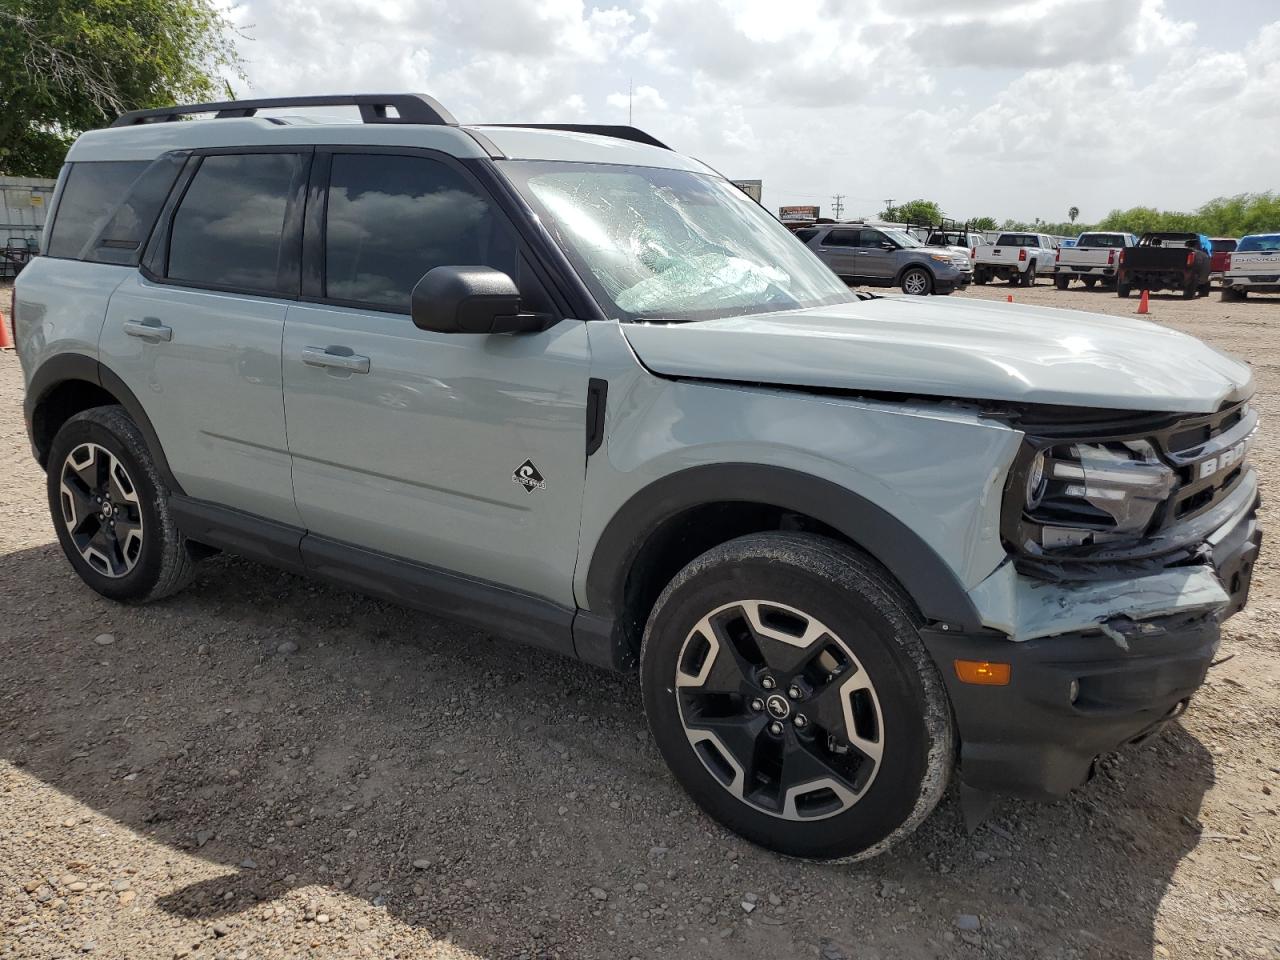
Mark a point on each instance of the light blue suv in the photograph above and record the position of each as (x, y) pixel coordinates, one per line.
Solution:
(567, 385)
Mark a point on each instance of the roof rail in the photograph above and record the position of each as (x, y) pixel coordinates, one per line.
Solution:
(617, 131)
(408, 107)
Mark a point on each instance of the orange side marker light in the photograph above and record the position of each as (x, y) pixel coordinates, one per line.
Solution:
(983, 672)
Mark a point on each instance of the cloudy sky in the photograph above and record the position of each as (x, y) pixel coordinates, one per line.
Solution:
(991, 107)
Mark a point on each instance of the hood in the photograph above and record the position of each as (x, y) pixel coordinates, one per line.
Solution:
(954, 347)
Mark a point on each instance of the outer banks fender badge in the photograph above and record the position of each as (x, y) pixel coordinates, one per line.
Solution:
(527, 476)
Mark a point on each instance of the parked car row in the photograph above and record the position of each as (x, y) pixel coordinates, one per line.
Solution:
(887, 257)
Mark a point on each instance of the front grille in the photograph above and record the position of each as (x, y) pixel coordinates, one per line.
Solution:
(1208, 453)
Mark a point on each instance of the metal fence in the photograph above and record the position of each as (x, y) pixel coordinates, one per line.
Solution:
(24, 205)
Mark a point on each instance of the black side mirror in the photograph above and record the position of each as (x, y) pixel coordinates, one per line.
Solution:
(470, 300)
(888, 245)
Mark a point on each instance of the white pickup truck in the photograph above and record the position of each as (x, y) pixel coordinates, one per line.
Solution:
(1016, 257)
(1254, 267)
(1094, 258)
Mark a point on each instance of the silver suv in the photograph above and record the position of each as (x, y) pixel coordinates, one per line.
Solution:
(887, 257)
(570, 386)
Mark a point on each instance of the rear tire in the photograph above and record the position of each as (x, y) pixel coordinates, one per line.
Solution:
(1062, 282)
(1090, 282)
(110, 509)
(1189, 291)
(787, 688)
(1028, 277)
(980, 277)
(1232, 295)
(1122, 289)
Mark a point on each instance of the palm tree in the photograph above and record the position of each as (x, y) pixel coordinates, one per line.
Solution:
(1073, 213)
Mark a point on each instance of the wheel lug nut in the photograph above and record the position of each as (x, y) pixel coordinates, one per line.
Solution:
(775, 728)
(794, 692)
(801, 721)
(757, 704)
(768, 683)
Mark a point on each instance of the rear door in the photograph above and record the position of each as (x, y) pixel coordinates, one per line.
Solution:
(839, 250)
(460, 452)
(195, 334)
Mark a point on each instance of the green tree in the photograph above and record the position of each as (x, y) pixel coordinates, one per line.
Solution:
(1073, 213)
(69, 65)
(984, 223)
(913, 211)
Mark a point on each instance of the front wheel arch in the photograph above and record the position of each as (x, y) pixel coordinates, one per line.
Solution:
(933, 280)
(631, 542)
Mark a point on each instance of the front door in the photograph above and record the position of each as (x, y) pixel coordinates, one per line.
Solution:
(462, 452)
(874, 260)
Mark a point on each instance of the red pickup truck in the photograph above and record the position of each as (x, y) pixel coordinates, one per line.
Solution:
(1223, 247)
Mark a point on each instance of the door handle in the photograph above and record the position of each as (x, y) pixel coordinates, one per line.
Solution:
(325, 357)
(148, 328)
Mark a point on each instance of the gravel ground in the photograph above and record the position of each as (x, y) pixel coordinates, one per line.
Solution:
(264, 767)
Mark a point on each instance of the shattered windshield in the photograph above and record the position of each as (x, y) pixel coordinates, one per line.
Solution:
(659, 244)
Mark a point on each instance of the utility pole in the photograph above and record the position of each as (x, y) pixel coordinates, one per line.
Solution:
(888, 205)
(837, 205)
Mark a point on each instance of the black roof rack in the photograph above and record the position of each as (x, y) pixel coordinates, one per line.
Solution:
(617, 131)
(408, 107)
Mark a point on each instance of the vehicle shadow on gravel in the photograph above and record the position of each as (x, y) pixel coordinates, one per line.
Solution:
(510, 798)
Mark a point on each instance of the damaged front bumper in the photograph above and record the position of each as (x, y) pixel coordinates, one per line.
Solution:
(1094, 665)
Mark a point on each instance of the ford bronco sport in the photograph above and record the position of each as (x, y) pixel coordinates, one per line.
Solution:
(570, 386)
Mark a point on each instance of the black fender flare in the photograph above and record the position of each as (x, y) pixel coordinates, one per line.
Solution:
(929, 581)
(59, 369)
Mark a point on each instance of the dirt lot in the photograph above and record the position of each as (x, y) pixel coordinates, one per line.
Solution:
(175, 782)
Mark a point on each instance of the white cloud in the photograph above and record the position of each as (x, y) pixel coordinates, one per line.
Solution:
(1003, 107)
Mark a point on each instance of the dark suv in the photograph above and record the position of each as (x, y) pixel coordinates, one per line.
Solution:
(885, 257)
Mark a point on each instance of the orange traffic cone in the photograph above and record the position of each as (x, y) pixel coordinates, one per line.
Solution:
(1143, 304)
(1008, 298)
(6, 338)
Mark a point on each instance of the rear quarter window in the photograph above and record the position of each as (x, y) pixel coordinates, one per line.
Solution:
(89, 197)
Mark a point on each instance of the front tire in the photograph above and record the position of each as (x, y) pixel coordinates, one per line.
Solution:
(787, 688)
(917, 282)
(110, 509)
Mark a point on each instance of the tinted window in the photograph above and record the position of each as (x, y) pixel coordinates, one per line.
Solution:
(1101, 240)
(842, 238)
(89, 196)
(121, 240)
(228, 231)
(1224, 246)
(1262, 242)
(1017, 240)
(805, 234)
(391, 219)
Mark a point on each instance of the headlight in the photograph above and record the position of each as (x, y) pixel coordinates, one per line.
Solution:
(941, 257)
(1036, 482)
(1086, 493)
